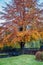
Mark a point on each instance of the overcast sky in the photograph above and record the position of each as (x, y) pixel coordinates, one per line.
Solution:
(2, 3)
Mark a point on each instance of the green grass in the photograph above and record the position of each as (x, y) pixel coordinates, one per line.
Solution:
(20, 60)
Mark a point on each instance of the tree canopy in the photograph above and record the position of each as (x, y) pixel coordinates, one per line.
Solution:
(23, 17)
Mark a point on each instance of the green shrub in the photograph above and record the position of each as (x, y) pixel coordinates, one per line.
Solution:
(33, 44)
(7, 48)
(16, 45)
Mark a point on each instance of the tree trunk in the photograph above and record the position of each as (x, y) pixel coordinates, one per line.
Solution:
(41, 45)
(22, 47)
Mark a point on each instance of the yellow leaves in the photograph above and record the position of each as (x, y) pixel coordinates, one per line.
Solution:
(35, 35)
(27, 35)
(24, 36)
(41, 34)
(1, 45)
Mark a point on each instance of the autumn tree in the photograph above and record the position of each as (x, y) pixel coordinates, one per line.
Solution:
(20, 16)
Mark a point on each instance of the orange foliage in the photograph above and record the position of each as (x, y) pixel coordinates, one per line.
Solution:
(26, 13)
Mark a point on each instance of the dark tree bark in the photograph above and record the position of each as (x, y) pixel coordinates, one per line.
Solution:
(41, 45)
(22, 45)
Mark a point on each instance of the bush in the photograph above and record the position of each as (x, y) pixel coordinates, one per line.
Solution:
(33, 44)
(7, 48)
(39, 55)
(16, 45)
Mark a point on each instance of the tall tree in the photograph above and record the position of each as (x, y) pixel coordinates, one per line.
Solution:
(20, 15)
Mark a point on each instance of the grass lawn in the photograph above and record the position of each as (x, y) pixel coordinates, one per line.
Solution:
(20, 60)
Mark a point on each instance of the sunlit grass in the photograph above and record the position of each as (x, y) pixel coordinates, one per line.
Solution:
(20, 60)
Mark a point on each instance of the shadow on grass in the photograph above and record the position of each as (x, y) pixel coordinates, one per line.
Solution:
(11, 54)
